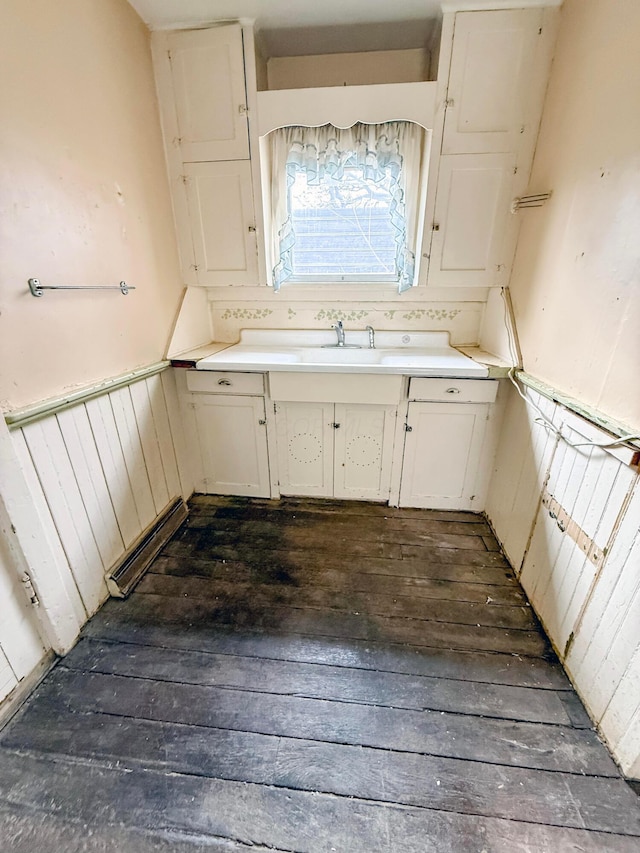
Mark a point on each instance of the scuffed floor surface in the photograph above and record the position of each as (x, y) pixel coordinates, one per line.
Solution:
(314, 676)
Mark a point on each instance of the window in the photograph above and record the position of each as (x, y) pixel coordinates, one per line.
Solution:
(344, 203)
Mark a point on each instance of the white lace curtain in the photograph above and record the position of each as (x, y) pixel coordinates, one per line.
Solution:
(392, 148)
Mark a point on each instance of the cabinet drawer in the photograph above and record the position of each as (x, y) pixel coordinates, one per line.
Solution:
(454, 390)
(224, 382)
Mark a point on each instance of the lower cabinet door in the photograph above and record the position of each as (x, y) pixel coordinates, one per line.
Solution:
(442, 453)
(233, 445)
(305, 448)
(363, 451)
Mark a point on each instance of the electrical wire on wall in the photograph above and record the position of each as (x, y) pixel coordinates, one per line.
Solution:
(542, 419)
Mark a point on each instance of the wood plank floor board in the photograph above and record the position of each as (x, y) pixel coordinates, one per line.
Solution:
(381, 558)
(323, 681)
(340, 536)
(23, 830)
(582, 802)
(493, 740)
(113, 625)
(212, 809)
(314, 675)
(244, 614)
(279, 571)
(201, 505)
(349, 601)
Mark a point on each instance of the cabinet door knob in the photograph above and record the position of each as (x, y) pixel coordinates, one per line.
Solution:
(335, 426)
(224, 382)
(262, 422)
(452, 391)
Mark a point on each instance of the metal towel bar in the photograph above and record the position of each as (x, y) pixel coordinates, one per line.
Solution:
(37, 289)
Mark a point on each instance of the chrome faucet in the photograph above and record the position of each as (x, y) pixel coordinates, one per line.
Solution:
(339, 332)
(372, 339)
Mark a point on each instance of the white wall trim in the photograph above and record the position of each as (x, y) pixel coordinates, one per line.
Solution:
(21, 417)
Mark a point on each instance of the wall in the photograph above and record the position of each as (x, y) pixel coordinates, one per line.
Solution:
(577, 558)
(566, 516)
(85, 202)
(348, 69)
(575, 280)
(85, 198)
(302, 307)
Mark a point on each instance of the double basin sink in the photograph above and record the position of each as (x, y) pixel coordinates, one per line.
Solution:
(421, 353)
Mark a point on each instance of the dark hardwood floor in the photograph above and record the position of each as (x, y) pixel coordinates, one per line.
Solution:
(314, 676)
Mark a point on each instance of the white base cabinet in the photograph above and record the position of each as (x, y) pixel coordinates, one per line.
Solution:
(335, 450)
(442, 455)
(244, 443)
(232, 442)
(363, 451)
(226, 429)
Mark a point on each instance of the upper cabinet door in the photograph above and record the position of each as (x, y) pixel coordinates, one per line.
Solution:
(222, 223)
(493, 74)
(473, 231)
(207, 73)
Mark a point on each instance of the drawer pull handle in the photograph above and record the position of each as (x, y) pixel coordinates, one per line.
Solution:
(224, 382)
(452, 391)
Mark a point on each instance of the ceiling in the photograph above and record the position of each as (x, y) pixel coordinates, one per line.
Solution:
(306, 26)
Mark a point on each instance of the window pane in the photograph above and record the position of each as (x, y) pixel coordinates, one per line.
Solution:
(343, 226)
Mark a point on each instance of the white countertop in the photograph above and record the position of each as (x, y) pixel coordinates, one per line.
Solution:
(408, 353)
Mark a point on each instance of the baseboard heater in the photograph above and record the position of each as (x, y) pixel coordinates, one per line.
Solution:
(126, 574)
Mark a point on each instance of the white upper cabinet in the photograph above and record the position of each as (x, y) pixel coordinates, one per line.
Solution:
(493, 72)
(471, 220)
(221, 221)
(206, 72)
(494, 68)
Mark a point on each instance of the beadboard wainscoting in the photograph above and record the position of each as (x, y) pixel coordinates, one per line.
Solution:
(98, 473)
(568, 518)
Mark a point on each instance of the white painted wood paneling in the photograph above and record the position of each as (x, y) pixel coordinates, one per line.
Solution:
(111, 455)
(85, 461)
(150, 444)
(585, 587)
(621, 720)
(162, 428)
(68, 510)
(134, 460)
(177, 430)
(8, 679)
(97, 474)
(521, 466)
(20, 641)
(609, 630)
(37, 544)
